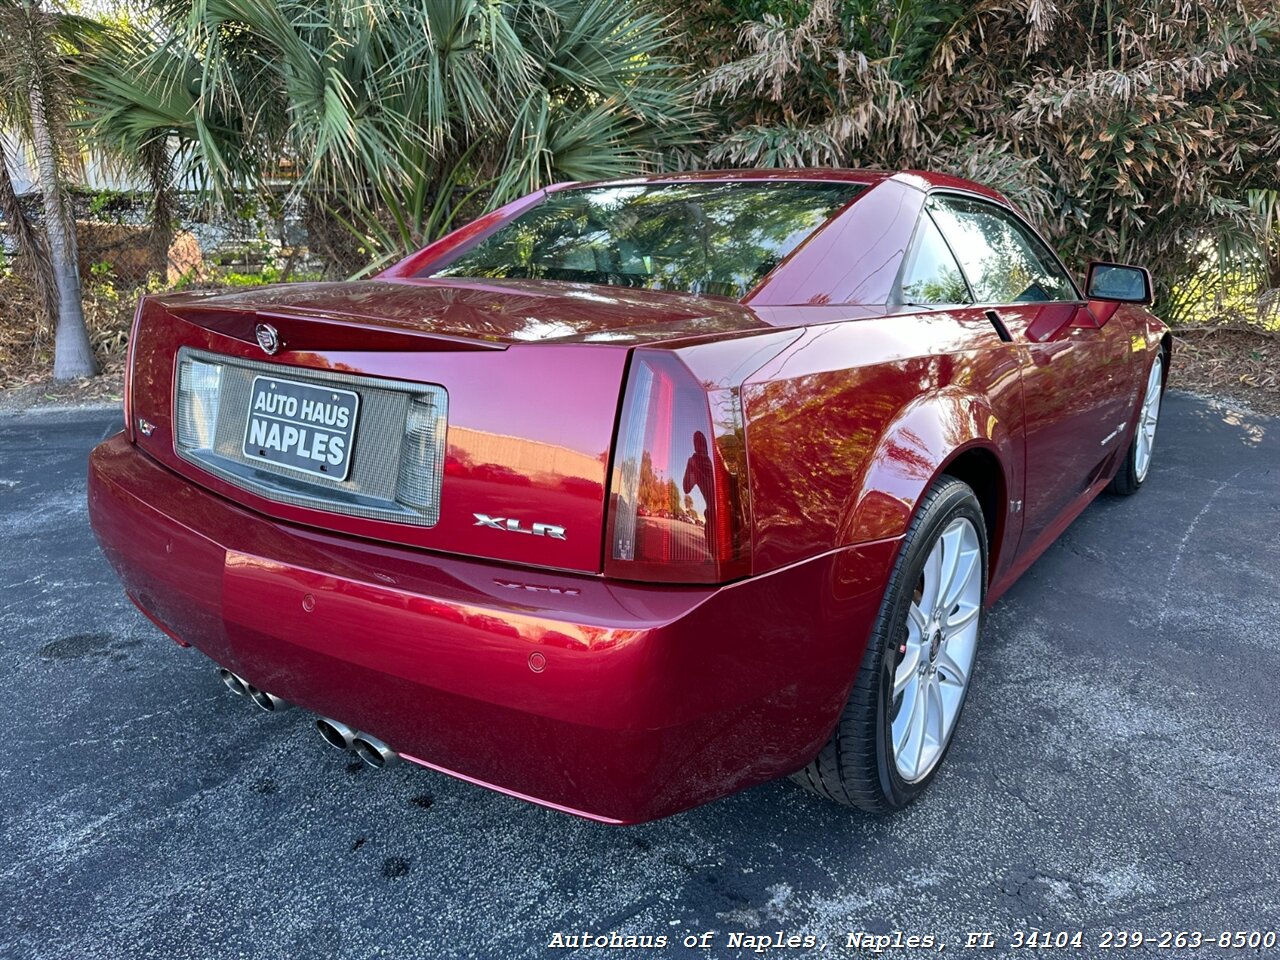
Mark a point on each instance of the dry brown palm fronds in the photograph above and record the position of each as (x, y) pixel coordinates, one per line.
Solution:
(32, 258)
(1132, 131)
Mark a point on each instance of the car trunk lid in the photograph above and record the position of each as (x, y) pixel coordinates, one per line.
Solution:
(518, 385)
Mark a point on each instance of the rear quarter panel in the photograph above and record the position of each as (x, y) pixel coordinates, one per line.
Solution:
(849, 427)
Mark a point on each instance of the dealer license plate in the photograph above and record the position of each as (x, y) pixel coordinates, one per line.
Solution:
(303, 427)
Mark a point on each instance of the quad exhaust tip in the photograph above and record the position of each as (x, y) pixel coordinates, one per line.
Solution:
(336, 733)
(234, 683)
(369, 749)
(373, 751)
(267, 701)
(243, 688)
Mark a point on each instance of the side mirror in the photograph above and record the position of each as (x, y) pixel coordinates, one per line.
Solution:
(1118, 283)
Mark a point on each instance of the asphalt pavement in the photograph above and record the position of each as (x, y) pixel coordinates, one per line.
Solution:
(1117, 767)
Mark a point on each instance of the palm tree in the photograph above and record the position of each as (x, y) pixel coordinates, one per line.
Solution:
(33, 259)
(394, 115)
(35, 104)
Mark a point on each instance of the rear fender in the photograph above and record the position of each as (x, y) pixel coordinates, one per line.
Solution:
(916, 449)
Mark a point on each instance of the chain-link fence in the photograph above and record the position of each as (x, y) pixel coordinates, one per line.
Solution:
(121, 257)
(262, 238)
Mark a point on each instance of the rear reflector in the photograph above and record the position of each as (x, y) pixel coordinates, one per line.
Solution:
(678, 511)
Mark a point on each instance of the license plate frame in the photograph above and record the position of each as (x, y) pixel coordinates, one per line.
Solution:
(307, 431)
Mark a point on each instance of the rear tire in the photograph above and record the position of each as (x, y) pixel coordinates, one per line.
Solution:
(1137, 462)
(928, 627)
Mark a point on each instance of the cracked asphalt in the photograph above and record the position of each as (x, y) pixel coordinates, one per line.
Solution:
(1116, 768)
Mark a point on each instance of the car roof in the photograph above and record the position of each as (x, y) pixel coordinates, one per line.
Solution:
(921, 179)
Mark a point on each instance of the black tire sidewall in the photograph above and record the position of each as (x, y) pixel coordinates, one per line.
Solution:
(957, 500)
(1126, 481)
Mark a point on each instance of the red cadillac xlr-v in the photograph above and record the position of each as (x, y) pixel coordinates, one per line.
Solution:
(629, 495)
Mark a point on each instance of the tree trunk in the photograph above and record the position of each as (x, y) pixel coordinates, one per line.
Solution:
(72, 355)
(155, 160)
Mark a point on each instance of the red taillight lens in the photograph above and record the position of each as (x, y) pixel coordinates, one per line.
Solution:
(678, 507)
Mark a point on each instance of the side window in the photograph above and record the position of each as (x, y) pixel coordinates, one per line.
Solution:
(1003, 261)
(931, 275)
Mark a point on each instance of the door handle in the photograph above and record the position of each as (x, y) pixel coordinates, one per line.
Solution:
(1001, 330)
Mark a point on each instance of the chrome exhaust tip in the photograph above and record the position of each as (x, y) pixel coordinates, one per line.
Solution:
(373, 751)
(234, 683)
(266, 701)
(336, 733)
(369, 749)
(243, 688)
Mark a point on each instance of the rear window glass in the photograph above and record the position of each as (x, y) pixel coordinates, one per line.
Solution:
(706, 238)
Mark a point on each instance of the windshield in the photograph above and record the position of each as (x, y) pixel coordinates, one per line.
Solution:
(706, 238)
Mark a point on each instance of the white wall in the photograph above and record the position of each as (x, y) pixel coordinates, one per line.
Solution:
(96, 172)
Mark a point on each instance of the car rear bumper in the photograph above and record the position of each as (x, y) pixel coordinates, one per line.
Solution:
(619, 702)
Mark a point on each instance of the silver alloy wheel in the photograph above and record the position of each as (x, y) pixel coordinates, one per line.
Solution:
(937, 655)
(1147, 420)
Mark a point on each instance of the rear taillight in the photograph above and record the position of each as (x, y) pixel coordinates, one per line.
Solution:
(421, 470)
(199, 395)
(130, 351)
(678, 510)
